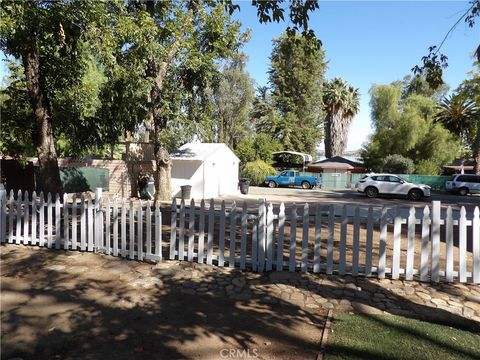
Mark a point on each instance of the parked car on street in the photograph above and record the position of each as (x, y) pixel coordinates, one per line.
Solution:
(291, 178)
(463, 184)
(388, 184)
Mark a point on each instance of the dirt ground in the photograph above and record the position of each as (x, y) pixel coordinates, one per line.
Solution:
(72, 305)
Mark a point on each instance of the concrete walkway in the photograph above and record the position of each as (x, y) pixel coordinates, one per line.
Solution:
(73, 305)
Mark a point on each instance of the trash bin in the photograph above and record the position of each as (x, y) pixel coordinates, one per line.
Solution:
(243, 184)
(186, 191)
(146, 188)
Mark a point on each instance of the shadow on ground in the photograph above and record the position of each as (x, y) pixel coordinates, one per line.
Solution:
(101, 307)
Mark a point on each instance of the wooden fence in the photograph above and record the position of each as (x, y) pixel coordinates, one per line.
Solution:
(260, 239)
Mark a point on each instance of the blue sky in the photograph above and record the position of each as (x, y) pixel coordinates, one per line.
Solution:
(368, 42)
(373, 42)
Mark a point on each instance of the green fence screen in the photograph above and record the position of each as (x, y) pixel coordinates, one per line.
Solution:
(80, 179)
(348, 181)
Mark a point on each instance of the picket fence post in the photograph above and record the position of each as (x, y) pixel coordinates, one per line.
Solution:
(201, 233)
(26, 218)
(243, 237)
(262, 222)
(74, 223)
(306, 225)
(3, 216)
(281, 237)
(462, 249)
(293, 238)
(191, 230)
(158, 231)
(343, 241)
(425, 244)
(65, 222)
(98, 222)
(41, 221)
(115, 225)
(331, 233)
(318, 240)
(397, 233)
(140, 231)
(369, 245)
(449, 244)
(476, 245)
(435, 236)
(270, 238)
(10, 218)
(382, 251)
(233, 231)
(34, 218)
(18, 232)
(410, 244)
(181, 232)
(173, 229)
(49, 220)
(211, 228)
(83, 224)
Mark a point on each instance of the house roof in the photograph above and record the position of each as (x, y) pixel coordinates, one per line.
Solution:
(197, 151)
(337, 160)
(332, 165)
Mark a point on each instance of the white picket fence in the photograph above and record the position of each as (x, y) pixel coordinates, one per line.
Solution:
(262, 239)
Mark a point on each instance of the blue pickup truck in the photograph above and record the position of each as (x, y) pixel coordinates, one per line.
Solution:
(291, 178)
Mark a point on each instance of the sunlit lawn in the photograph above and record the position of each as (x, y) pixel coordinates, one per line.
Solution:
(394, 337)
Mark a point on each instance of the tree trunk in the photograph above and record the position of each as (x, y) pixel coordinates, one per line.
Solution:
(328, 140)
(49, 175)
(158, 71)
(162, 175)
(336, 133)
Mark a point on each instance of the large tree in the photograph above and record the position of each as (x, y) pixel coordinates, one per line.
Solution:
(296, 75)
(233, 101)
(461, 116)
(48, 38)
(341, 103)
(405, 126)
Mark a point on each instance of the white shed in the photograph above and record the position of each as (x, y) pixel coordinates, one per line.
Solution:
(211, 169)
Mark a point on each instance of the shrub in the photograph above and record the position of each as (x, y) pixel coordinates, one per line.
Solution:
(256, 171)
(427, 167)
(398, 164)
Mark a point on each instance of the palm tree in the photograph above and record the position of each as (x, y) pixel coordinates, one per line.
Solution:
(341, 103)
(461, 116)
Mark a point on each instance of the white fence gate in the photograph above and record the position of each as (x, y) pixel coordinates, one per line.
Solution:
(304, 238)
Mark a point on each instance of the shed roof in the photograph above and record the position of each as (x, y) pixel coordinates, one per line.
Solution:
(197, 151)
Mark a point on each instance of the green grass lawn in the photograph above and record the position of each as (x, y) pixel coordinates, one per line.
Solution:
(393, 337)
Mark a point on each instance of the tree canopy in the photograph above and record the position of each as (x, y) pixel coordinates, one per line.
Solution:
(94, 70)
(296, 77)
(406, 127)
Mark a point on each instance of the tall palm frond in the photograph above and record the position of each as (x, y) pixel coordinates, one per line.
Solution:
(341, 103)
(457, 114)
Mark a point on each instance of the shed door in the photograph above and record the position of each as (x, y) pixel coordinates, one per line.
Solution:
(212, 180)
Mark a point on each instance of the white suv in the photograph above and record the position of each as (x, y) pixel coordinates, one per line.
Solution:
(464, 184)
(387, 184)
